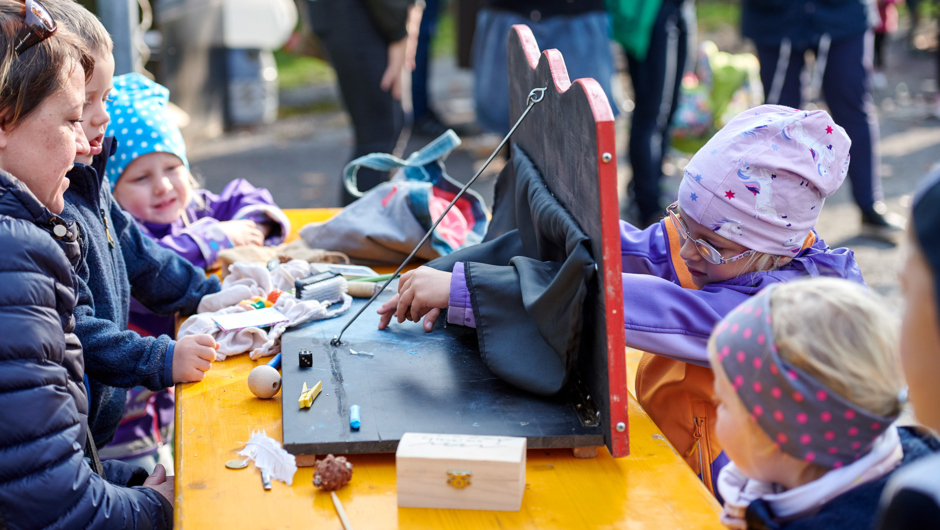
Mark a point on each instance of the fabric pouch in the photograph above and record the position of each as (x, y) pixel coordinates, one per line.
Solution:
(387, 222)
(529, 283)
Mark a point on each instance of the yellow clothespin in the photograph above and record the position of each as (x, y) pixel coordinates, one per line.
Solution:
(307, 396)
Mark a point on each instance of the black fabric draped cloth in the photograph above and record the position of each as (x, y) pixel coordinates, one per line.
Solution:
(528, 282)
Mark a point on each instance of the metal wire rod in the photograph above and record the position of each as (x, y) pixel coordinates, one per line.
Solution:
(534, 97)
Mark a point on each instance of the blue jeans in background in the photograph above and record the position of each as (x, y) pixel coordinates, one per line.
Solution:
(583, 40)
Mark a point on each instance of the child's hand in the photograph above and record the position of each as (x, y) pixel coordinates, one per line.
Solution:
(192, 358)
(158, 482)
(422, 292)
(242, 232)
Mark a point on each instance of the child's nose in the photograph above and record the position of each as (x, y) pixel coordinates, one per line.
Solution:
(101, 118)
(687, 251)
(164, 185)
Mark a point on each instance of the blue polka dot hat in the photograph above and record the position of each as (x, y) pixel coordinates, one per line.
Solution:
(141, 123)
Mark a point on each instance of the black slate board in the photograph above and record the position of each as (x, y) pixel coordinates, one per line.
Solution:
(413, 382)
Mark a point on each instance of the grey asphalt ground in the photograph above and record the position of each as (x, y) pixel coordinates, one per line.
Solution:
(299, 159)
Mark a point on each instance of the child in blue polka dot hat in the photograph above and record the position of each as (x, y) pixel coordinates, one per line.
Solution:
(150, 179)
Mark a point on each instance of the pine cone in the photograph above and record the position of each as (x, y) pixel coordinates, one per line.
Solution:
(332, 473)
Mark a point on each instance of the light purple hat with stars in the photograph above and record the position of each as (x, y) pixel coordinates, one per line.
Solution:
(141, 123)
(763, 178)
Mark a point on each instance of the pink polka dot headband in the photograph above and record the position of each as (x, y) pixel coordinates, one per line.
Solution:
(804, 418)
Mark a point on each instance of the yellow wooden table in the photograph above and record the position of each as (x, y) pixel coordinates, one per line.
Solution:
(652, 488)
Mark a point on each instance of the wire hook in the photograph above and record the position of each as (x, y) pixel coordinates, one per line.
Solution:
(535, 96)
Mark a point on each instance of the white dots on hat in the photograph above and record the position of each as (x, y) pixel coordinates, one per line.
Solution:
(130, 142)
(143, 144)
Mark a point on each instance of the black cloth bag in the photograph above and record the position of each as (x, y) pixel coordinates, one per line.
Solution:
(528, 282)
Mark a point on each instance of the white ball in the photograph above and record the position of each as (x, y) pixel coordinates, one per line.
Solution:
(264, 381)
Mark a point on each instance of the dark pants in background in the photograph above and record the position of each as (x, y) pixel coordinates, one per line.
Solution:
(656, 81)
(359, 54)
(419, 77)
(845, 87)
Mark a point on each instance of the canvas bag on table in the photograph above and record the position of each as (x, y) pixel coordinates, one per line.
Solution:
(385, 224)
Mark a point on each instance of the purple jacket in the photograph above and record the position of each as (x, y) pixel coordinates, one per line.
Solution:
(201, 241)
(674, 321)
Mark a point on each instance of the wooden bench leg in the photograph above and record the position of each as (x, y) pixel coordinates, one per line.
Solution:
(582, 452)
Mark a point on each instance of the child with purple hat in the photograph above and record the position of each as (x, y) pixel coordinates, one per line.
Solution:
(744, 219)
(810, 387)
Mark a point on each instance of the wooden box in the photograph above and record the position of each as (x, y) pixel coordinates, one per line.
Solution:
(460, 471)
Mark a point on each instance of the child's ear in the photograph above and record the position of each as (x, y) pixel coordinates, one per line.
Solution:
(5, 130)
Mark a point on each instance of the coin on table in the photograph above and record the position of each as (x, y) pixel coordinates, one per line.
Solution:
(236, 464)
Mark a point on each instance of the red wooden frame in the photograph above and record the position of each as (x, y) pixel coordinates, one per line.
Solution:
(569, 136)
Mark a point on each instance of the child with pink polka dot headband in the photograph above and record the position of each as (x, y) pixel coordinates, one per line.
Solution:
(809, 386)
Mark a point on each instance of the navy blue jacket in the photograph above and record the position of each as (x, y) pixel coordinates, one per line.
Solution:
(44, 478)
(855, 508)
(118, 261)
(768, 22)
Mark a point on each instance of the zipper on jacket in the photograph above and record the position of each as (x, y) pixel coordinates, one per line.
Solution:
(107, 228)
(704, 451)
(698, 434)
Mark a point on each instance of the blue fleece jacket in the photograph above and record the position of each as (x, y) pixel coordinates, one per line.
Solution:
(119, 262)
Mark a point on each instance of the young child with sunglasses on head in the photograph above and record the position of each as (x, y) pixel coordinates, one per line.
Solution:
(744, 219)
(809, 386)
(118, 260)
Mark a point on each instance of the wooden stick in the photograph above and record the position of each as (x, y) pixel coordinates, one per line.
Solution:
(339, 511)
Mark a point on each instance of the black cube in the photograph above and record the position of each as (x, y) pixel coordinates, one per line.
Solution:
(306, 359)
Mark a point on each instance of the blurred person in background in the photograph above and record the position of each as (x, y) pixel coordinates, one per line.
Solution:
(839, 34)
(368, 44)
(655, 38)
(578, 29)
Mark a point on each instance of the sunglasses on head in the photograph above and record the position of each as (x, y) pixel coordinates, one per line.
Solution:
(37, 27)
(704, 248)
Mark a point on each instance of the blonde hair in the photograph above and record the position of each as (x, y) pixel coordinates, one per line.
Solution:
(838, 333)
(81, 22)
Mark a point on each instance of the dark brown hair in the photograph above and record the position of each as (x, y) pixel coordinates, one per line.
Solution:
(83, 23)
(28, 79)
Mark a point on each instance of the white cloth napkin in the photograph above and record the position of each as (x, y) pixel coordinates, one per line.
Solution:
(246, 280)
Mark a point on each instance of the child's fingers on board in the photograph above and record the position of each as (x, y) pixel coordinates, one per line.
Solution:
(403, 304)
(430, 318)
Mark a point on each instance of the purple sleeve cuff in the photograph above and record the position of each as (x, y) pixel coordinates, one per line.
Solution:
(459, 307)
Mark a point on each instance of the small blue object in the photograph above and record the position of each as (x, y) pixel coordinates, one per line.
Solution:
(354, 416)
(275, 362)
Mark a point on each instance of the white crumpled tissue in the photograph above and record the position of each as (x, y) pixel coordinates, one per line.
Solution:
(270, 457)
